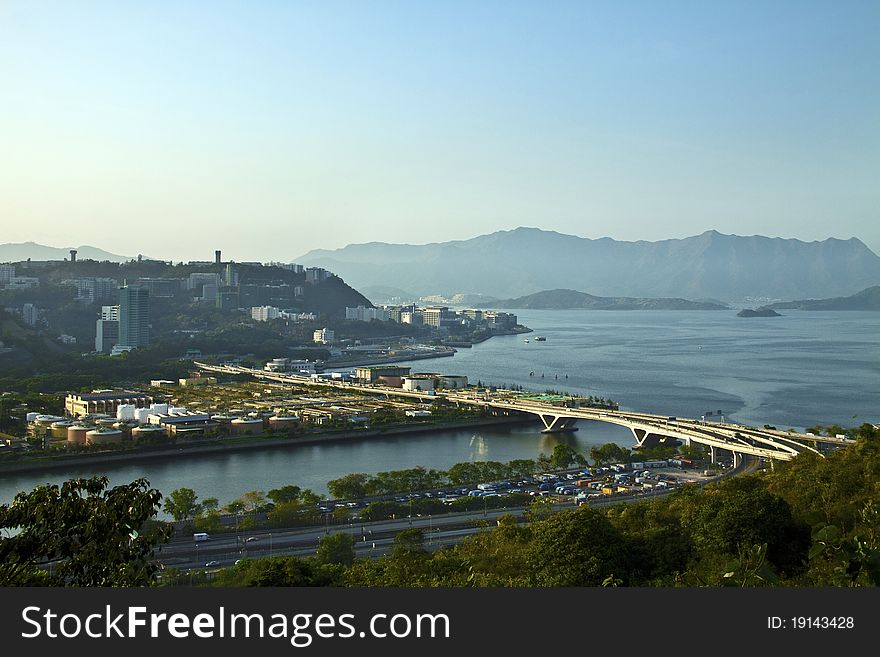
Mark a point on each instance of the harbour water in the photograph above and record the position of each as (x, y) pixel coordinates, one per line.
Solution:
(792, 371)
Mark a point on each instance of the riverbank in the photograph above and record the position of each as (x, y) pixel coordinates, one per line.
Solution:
(228, 445)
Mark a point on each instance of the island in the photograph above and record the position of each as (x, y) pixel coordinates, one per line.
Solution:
(760, 312)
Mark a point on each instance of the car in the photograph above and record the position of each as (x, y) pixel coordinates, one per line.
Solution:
(211, 564)
(251, 539)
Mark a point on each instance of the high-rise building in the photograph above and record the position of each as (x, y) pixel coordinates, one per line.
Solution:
(30, 314)
(217, 257)
(134, 316)
(7, 273)
(107, 329)
(231, 278)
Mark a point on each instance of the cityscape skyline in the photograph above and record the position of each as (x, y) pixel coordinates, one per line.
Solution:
(284, 127)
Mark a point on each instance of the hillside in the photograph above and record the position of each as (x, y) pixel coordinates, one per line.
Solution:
(31, 250)
(572, 299)
(867, 299)
(508, 264)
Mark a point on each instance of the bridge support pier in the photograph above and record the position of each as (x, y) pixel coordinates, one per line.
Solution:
(737, 459)
(713, 453)
(557, 423)
(644, 438)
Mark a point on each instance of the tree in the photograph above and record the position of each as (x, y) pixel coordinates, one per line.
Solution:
(564, 455)
(253, 500)
(336, 549)
(287, 493)
(350, 486)
(576, 548)
(609, 453)
(181, 504)
(80, 534)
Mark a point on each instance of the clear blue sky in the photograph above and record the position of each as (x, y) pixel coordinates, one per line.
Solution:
(270, 128)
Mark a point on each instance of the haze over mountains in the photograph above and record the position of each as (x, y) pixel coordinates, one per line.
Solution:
(24, 250)
(509, 264)
(572, 299)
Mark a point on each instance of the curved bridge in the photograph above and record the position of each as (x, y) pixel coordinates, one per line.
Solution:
(647, 429)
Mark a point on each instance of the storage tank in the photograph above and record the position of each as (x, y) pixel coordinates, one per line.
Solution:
(146, 431)
(176, 410)
(159, 409)
(224, 419)
(247, 425)
(59, 429)
(76, 434)
(103, 436)
(125, 412)
(141, 415)
(282, 422)
(32, 416)
(107, 422)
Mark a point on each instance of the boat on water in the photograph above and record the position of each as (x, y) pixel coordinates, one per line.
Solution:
(526, 340)
(540, 338)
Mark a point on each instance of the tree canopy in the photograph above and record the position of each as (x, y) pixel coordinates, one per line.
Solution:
(82, 534)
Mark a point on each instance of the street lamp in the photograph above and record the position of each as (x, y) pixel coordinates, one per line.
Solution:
(270, 544)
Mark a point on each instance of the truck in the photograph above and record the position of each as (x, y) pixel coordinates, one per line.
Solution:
(583, 483)
(201, 536)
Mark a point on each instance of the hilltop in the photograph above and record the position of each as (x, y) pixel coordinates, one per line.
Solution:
(867, 299)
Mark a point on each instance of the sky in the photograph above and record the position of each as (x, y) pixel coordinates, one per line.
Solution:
(267, 129)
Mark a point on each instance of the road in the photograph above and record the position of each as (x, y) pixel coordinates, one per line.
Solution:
(373, 539)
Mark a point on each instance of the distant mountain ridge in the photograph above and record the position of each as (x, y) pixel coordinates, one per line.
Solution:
(509, 264)
(19, 252)
(867, 299)
(574, 300)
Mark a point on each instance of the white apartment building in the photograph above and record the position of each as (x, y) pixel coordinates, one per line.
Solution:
(265, 313)
(324, 336)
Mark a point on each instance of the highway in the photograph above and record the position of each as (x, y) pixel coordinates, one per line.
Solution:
(372, 539)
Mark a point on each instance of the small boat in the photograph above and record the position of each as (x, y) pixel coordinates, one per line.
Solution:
(540, 338)
(526, 340)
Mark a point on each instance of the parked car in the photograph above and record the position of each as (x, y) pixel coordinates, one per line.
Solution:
(211, 564)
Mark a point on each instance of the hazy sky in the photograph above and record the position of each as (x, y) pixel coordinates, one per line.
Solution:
(270, 128)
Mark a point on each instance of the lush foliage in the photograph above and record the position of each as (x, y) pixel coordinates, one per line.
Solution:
(81, 534)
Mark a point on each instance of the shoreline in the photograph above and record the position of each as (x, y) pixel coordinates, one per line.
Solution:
(200, 448)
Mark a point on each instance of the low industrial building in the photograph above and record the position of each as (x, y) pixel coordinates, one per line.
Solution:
(104, 401)
(371, 374)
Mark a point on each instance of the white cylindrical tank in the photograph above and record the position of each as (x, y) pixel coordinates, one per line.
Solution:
(125, 412)
(141, 415)
(159, 409)
(32, 416)
(176, 410)
(103, 436)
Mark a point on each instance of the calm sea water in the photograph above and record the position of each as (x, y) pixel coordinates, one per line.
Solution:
(791, 371)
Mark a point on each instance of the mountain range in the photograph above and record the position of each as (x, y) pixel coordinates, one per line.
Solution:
(31, 250)
(508, 264)
(572, 299)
